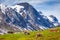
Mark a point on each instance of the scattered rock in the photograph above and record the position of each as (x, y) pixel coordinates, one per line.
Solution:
(39, 35)
(54, 30)
(10, 32)
(26, 33)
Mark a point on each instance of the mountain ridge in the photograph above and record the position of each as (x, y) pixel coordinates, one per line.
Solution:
(25, 17)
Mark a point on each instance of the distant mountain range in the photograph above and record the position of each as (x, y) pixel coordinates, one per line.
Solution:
(24, 16)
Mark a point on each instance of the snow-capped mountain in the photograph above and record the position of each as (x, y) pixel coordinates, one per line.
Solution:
(54, 20)
(24, 16)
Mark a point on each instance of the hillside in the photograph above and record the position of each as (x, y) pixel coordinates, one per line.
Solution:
(49, 34)
(23, 16)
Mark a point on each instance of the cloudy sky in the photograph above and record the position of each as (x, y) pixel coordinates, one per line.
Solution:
(48, 7)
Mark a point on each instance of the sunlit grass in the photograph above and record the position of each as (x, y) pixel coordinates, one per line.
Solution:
(46, 35)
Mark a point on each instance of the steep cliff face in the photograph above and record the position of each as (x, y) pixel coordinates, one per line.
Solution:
(35, 16)
(53, 20)
(24, 16)
(4, 26)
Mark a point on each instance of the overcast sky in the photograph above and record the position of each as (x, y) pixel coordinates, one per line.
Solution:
(48, 7)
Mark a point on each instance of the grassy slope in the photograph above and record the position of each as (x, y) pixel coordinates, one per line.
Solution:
(46, 35)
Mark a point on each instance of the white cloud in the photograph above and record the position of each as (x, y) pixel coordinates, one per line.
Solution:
(46, 9)
(34, 2)
(53, 10)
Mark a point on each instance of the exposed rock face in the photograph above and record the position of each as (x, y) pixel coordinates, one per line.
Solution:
(23, 16)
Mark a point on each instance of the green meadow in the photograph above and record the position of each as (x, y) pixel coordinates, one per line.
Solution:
(49, 34)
